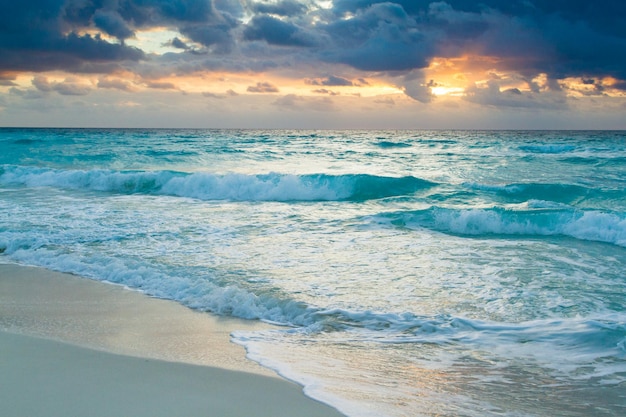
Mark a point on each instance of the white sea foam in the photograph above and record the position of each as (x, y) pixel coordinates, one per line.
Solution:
(550, 219)
(208, 186)
(272, 187)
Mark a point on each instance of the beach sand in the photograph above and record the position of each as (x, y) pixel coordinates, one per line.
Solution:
(70, 346)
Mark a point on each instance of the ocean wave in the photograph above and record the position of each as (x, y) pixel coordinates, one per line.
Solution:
(390, 144)
(581, 334)
(562, 193)
(572, 341)
(207, 186)
(589, 336)
(198, 292)
(548, 148)
(561, 344)
(551, 220)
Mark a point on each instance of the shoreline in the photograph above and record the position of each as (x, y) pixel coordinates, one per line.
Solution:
(74, 346)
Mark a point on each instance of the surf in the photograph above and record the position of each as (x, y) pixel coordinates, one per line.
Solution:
(590, 225)
(209, 186)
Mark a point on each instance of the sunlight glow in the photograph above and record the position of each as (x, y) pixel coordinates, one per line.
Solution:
(447, 91)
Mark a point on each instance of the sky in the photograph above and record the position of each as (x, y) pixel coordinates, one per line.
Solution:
(332, 64)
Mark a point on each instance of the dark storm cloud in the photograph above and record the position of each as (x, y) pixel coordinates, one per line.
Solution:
(217, 36)
(382, 37)
(282, 8)
(559, 37)
(147, 12)
(41, 35)
(112, 23)
(277, 32)
(37, 36)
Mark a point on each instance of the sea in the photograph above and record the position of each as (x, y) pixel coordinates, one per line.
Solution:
(409, 273)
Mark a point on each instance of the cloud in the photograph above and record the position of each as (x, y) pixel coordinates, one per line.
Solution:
(560, 38)
(282, 8)
(277, 32)
(41, 83)
(237, 9)
(40, 35)
(493, 95)
(300, 103)
(382, 37)
(213, 95)
(159, 11)
(177, 43)
(563, 39)
(68, 87)
(7, 80)
(325, 91)
(28, 94)
(160, 85)
(413, 84)
(262, 87)
(388, 101)
(228, 93)
(331, 81)
(112, 24)
(115, 83)
(217, 36)
(43, 35)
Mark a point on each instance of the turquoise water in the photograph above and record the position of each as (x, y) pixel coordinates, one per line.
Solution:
(414, 273)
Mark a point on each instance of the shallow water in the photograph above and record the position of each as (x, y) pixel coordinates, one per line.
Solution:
(414, 272)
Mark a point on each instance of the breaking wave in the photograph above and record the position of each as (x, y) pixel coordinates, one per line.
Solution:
(591, 225)
(207, 186)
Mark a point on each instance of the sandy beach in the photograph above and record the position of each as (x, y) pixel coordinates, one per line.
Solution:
(70, 346)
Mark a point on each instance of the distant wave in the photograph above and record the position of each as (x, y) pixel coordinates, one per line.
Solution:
(591, 225)
(206, 186)
(562, 193)
(389, 144)
(548, 148)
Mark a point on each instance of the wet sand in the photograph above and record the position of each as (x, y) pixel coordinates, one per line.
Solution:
(72, 346)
